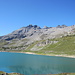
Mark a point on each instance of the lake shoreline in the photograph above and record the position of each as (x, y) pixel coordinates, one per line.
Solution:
(69, 56)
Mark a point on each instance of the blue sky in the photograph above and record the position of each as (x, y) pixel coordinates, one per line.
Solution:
(15, 14)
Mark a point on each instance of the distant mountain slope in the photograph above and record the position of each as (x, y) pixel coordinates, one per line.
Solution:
(36, 39)
(39, 33)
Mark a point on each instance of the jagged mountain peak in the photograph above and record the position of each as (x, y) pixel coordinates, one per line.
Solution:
(32, 26)
(61, 26)
(21, 33)
(45, 27)
(35, 32)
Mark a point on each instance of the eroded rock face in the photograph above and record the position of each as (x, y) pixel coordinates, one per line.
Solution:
(21, 33)
(43, 43)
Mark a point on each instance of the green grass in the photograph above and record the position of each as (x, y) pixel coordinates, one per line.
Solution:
(66, 45)
(3, 43)
(32, 45)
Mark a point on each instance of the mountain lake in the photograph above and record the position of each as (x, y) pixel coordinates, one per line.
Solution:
(28, 64)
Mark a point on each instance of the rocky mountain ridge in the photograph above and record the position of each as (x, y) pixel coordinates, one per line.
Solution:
(37, 32)
(22, 38)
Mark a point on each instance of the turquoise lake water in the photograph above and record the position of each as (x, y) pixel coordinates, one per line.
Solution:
(28, 64)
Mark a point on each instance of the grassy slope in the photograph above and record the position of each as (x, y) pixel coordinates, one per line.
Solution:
(66, 46)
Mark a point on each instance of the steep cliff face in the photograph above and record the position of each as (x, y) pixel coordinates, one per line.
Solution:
(20, 39)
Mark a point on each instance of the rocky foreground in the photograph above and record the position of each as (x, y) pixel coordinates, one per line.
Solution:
(4, 73)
